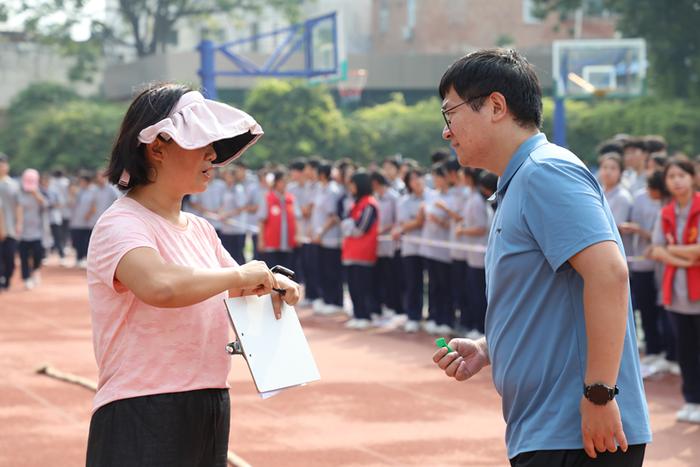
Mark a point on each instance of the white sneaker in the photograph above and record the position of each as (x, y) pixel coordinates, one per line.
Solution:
(331, 309)
(443, 330)
(36, 277)
(362, 324)
(690, 413)
(351, 323)
(674, 368)
(28, 284)
(387, 312)
(317, 305)
(82, 264)
(429, 326)
(411, 326)
(650, 359)
(64, 262)
(474, 335)
(661, 365)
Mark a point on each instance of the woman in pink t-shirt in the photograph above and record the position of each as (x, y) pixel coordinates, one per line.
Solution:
(157, 278)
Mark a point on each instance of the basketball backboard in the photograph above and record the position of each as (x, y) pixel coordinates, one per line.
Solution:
(599, 67)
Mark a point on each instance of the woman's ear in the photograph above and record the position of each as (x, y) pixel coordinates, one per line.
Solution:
(155, 151)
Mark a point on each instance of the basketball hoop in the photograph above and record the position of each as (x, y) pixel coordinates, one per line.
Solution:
(350, 90)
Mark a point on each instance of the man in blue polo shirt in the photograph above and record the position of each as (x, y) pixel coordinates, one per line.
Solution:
(559, 327)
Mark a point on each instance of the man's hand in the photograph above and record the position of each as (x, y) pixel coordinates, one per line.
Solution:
(601, 427)
(468, 358)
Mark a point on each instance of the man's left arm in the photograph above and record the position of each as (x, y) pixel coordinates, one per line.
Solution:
(605, 302)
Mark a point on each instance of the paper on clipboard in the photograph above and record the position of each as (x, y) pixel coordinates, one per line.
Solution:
(276, 351)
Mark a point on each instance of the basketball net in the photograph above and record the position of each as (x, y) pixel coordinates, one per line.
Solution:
(351, 89)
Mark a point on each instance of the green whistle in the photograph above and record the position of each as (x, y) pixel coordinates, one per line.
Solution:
(440, 342)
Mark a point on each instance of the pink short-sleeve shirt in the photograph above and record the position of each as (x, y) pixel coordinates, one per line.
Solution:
(141, 349)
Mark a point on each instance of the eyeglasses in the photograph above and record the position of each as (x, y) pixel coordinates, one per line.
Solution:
(466, 101)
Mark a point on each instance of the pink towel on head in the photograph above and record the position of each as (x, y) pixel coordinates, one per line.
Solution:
(196, 122)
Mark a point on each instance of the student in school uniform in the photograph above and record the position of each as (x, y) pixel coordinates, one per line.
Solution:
(675, 243)
(31, 249)
(256, 189)
(386, 284)
(410, 217)
(277, 238)
(391, 167)
(82, 218)
(360, 231)
(105, 194)
(12, 213)
(635, 155)
(297, 187)
(610, 173)
(309, 251)
(474, 231)
(208, 203)
(325, 225)
(437, 258)
(232, 214)
(457, 196)
(644, 213)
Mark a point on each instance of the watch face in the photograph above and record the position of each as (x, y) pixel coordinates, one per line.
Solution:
(598, 394)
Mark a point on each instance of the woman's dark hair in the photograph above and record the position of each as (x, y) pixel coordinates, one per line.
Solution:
(655, 143)
(378, 177)
(480, 73)
(394, 160)
(418, 172)
(438, 170)
(151, 106)
(363, 184)
(635, 142)
(609, 146)
(325, 168)
(439, 156)
(682, 163)
(615, 157)
(472, 173)
(488, 180)
(298, 164)
(656, 182)
(278, 174)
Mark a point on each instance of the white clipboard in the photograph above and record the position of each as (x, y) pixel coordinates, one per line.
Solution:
(276, 351)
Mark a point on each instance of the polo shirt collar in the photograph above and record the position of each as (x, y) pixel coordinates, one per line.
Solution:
(518, 158)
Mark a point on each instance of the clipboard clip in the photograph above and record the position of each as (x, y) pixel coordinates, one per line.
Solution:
(234, 348)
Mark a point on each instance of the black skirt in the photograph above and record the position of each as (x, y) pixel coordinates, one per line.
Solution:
(188, 429)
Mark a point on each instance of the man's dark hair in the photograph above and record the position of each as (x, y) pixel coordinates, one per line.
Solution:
(149, 107)
(325, 168)
(394, 160)
(278, 174)
(314, 162)
(379, 178)
(452, 165)
(418, 172)
(438, 170)
(637, 143)
(363, 184)
(298, 164)
(480, 73)
(488, 180)
(609, 146)
(655, 143)
(439, 156)
(655, 181)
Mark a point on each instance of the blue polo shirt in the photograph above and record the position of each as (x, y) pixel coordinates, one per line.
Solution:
(550, 207)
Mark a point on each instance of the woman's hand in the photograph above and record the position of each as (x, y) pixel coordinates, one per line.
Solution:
(255, 278)
(292, 291)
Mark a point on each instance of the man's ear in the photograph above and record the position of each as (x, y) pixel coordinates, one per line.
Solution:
(156, 150)
(499, 106)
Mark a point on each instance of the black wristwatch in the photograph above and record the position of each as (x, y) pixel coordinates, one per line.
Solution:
(600, 394)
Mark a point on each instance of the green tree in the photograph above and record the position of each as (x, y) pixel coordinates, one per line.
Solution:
(26, 106)
(670, 29)
(299, 121)
(74, 136)
(414, 131)
(147, 26)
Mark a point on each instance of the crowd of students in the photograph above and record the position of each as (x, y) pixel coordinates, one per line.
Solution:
(380, 230)
(46, 212)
